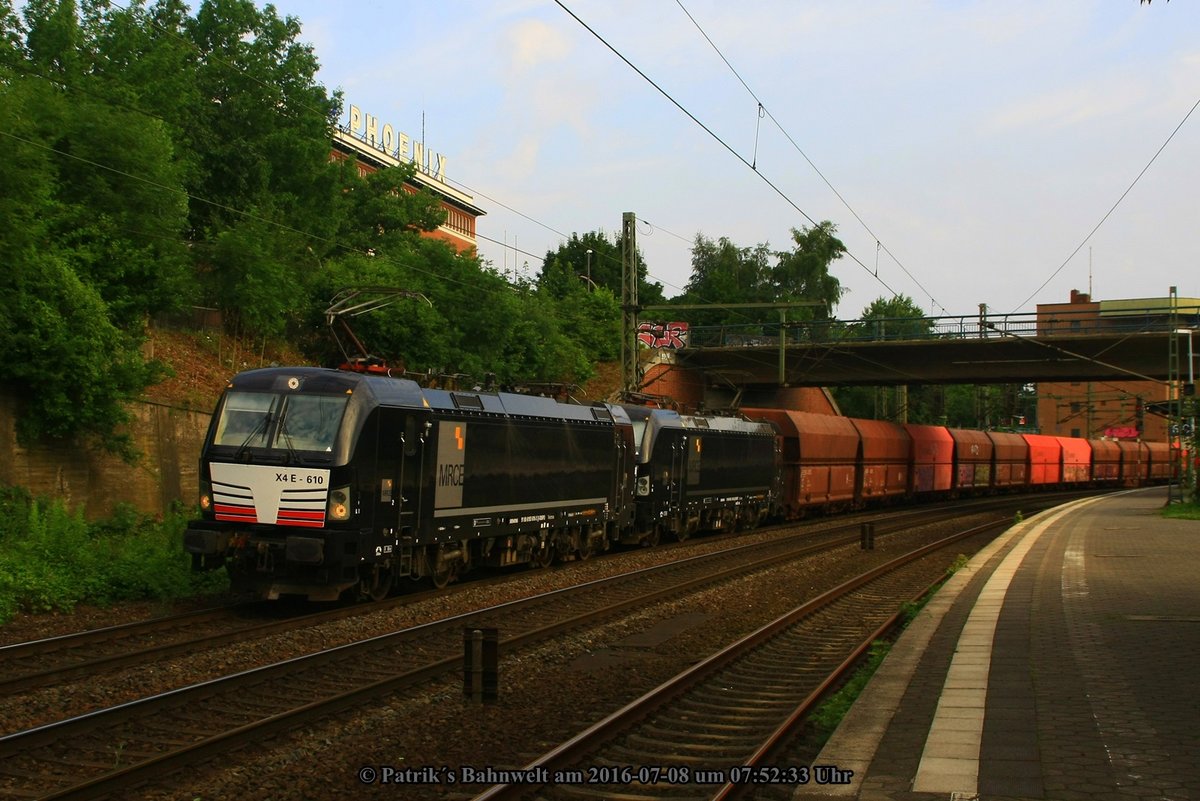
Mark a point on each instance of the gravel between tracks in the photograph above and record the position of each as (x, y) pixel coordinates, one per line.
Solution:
(546, 694)
(51, 703)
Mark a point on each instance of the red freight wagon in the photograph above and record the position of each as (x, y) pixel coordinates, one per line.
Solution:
(1135, 463)
(972, 459)
(1045, 460)
(932, 458)
(1106, 461)
(886, 451)
(820, 454)
(1160, 462)
(1076, 460)
(1011, 466)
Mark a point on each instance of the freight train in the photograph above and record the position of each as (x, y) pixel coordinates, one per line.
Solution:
(320, 483)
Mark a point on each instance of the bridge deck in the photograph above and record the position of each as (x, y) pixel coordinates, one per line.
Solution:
(947, 350)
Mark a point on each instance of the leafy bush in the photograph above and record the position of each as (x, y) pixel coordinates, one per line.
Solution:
(52, 559)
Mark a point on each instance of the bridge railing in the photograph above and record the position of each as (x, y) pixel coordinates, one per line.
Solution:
(1062, 323)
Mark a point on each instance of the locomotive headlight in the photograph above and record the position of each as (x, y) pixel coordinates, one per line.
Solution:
(206, 501)
(643, 485)
(339, 504)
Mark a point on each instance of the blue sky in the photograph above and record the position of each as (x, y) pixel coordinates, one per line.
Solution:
(978, 143)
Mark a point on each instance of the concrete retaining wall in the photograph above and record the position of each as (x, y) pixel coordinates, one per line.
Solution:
(168, 438)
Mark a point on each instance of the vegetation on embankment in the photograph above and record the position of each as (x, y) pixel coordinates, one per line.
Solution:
(51, 559)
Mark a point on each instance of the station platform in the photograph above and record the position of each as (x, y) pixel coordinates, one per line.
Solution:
(1063, 662)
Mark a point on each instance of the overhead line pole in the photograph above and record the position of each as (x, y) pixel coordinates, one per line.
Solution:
(631, 378)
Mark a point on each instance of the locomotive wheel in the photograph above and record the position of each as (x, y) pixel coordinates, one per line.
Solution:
(377, 584)
(542, 556)
(653, 538)
(441, 572)
(441, 576)
(682, 533)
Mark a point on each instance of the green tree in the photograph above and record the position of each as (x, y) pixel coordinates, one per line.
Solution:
(897, 317)
(476, 322)
(92, 208)
(258, 124)
(12, 37)
(580, 285)
(723, 273)
(53, 37)
(157, 158)
(803, 273)
(145, 61)
(592, 256)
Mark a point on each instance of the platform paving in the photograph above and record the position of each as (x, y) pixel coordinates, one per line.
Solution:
(1063, 662)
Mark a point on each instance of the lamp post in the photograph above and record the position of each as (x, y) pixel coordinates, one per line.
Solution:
(589, 270)
(1187, 432)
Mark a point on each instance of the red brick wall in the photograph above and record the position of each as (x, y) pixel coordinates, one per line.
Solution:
(688, 389)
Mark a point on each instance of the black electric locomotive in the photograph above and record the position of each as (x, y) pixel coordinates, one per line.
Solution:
(317, 482)
(699, 473)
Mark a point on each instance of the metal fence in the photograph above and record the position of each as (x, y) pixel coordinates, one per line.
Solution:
(975, 326)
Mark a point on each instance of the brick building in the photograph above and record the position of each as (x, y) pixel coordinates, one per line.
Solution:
(377, 146)
(1114, 409)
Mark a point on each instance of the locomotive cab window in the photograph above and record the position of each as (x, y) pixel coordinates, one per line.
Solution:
(262, 420)
(245, 419)
(310, 422)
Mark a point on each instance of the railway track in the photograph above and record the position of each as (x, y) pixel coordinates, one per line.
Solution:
(709, 732)
(105, 751)
(27, 666)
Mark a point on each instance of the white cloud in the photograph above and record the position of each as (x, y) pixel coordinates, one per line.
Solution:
(534, 43)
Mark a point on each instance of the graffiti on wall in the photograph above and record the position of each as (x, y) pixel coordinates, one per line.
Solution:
(668, 336)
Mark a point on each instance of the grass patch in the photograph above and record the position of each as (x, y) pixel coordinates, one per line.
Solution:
(834, 708)
(1182, 511)
(52, 559)
(827, 717)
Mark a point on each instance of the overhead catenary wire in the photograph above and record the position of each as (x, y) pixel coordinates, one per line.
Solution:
(764, 111)
(1108, 213)
(131, 9)
(771, 184)
(227, 64)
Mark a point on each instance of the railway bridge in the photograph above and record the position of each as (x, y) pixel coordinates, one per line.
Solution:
(1141, 343)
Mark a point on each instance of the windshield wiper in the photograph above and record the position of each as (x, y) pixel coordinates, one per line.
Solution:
(259, 430)
(287, 441)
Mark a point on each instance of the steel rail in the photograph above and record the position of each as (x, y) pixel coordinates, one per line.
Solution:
(765, 556)
(591, 739)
